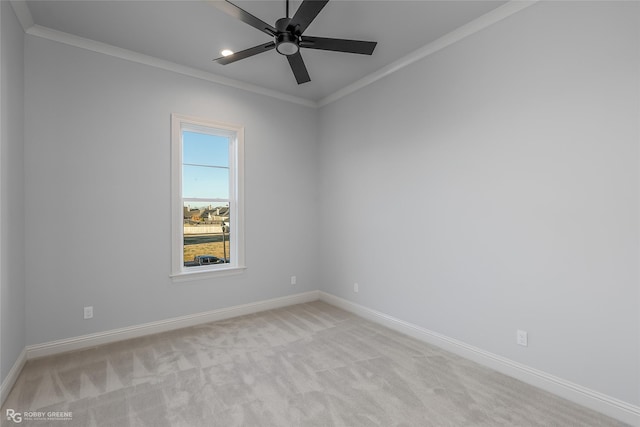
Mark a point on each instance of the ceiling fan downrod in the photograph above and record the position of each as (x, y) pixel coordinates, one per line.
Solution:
(287, 42)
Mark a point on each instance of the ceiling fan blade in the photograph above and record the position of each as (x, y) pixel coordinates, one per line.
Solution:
(298, 68)
(338, 45)
(244, 16)
(305, 14)
(245, 53)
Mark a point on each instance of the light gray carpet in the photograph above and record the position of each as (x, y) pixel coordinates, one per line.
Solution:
(304, 365)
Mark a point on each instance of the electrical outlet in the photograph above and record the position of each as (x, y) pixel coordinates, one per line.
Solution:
(294, 280)
(355, 287)
(88, 312)
(522, 338)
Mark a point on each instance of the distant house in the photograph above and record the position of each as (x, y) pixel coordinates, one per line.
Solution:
(215, 215)
(191, 214)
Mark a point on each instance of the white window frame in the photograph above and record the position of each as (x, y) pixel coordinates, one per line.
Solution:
(180, 273)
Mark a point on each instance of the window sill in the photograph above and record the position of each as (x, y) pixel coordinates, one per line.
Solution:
(206, 274)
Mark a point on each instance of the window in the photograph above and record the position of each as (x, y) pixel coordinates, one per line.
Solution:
(207, 203)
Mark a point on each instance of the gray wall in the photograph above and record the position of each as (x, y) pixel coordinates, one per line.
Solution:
(490, 187)
(97, 159)
(493, 186)
(12, 282)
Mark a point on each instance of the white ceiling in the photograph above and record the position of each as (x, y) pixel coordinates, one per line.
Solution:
(192, 33)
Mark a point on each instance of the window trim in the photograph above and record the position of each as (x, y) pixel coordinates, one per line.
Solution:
(236, 200)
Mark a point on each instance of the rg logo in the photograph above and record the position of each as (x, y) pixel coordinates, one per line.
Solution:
(14, 416)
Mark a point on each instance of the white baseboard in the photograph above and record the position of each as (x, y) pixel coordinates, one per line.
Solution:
(591, 399)
(92, 340)
(12, 376)
(588, 398)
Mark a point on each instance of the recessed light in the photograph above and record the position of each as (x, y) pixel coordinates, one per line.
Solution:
(226, 52)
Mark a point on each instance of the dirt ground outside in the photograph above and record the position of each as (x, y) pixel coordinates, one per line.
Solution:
(211, 248)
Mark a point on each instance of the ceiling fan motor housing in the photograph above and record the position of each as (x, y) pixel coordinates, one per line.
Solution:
(287, 43)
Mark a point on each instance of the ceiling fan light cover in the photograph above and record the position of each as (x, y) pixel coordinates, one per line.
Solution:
(287, 44)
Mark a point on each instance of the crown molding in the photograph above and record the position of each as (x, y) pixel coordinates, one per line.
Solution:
(472, 27)
(23, 13)
(26, 20)
(129, 55)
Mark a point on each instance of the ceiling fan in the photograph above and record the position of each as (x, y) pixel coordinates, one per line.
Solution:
(288, 36)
